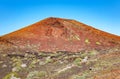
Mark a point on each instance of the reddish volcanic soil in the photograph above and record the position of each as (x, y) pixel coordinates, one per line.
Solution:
(56, 34)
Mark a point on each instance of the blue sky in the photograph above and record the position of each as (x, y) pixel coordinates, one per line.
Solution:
(101, 14)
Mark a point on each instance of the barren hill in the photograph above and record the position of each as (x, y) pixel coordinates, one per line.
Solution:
(56, 48)
(56, 34)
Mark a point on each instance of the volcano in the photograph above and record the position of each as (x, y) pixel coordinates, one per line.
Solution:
(57, 48)
(56, 34)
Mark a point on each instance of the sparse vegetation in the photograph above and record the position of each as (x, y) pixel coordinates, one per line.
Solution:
(33, 63)
(36, 75)
(74, 37)
(93, 52)
(12, 75)
(17, 62)
(52, 65)
(77, 37)
(80, 76)
(87, 41)
(98, 43)
(48, 60)
(77, 61)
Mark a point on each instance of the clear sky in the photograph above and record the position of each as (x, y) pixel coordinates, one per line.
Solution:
(101, 14)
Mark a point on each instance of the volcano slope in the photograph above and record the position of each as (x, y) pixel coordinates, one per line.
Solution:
(56, 48)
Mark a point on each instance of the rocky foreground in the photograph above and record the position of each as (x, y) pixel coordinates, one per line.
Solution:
(94, 64)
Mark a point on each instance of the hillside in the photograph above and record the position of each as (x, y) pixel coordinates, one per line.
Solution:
(55, 34)
(57, 48)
